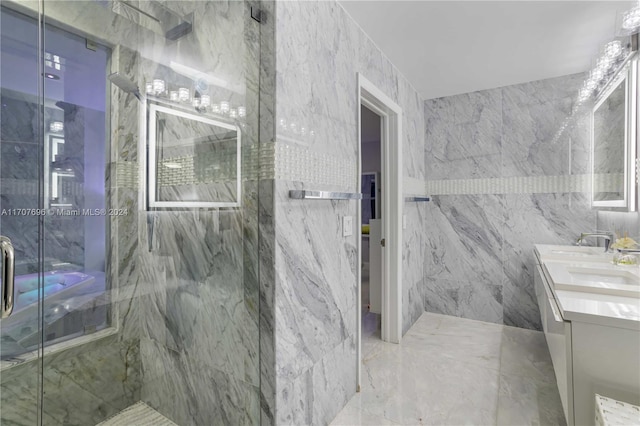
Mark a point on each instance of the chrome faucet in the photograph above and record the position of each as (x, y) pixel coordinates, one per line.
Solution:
(608, 238)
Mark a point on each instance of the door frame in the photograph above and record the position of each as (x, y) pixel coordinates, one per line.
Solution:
(392, 204)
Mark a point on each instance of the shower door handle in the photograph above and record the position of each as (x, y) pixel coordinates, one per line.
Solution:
(8, 276)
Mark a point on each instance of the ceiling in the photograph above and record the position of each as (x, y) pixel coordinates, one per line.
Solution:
(451, 47)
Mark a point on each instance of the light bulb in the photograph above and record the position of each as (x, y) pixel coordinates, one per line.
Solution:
(158, 86)
(174, 96)
(596, 75)
(148, 88)
(205, 100)
(631, 19)
(590, 84)
(215, 108)
(603, 64)
(584, 94)
(242, 111)
(224, 107)
(613, 49)
(183, 94)
(56, 126)
(233, 113)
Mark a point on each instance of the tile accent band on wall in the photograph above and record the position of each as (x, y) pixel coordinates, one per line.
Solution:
(293, 163)
(523, 185)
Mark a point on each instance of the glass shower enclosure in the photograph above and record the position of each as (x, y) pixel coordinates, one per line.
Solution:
(129, 212)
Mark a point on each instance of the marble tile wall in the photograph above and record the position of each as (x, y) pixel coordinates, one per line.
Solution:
(82, 385)
(199, 289)
(503, 184)
(620, 223)
(319, 51)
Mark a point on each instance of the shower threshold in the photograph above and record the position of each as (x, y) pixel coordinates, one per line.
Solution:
(139, 414)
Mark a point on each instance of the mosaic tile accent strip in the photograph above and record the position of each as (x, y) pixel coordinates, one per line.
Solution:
(522, 185)
(19, 186)
(300, 164)
(126, 174)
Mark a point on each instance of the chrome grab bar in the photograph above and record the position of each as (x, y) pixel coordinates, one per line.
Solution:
(8, 276)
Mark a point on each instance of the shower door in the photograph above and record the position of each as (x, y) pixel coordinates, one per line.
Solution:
(21, 217)
(129, 193)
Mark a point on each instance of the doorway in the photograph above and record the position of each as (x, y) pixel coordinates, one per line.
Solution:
(371, 219)
(379, 116)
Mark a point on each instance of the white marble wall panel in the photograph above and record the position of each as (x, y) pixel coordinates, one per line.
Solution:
(515, 187)
(413, 255)
(413, 148)
(531, 115)
(463, 135)
(196, 394)
(317, 395)
(315, 270)
(319, 52)
(536, 218)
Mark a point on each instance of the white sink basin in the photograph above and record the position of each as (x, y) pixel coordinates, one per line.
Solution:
(611, 277)
(595, 278)
(572, 253)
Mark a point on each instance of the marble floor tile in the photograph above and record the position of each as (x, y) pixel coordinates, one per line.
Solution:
(456, 339)
(526, 401)
(525, 353)
(352, 415)
(456, 371)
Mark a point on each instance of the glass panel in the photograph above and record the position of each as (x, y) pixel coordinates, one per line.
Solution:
(195, 159)
(166, 308)
(74, 170)
(20, 213)
(609, 145)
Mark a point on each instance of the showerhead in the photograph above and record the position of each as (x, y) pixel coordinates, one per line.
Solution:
(125, 84)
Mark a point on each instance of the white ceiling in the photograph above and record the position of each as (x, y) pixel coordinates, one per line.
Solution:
(450, 47)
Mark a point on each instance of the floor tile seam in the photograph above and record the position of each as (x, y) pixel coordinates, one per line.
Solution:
(364, 410)
(415, 352)
(449, 318)
(453, 329)
(543, 381)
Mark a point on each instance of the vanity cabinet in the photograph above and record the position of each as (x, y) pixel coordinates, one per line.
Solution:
(590, 354)
(558, 335)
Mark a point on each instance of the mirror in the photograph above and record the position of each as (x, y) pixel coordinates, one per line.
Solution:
(187, 169)
(613, 142)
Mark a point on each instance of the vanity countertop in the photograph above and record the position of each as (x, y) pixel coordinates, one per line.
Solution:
(603, 309)
(590, 307)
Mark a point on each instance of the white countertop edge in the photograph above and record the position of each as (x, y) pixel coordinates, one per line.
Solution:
(599, 309)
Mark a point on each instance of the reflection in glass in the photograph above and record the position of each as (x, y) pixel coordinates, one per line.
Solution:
(200, 157)
(609, 146)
